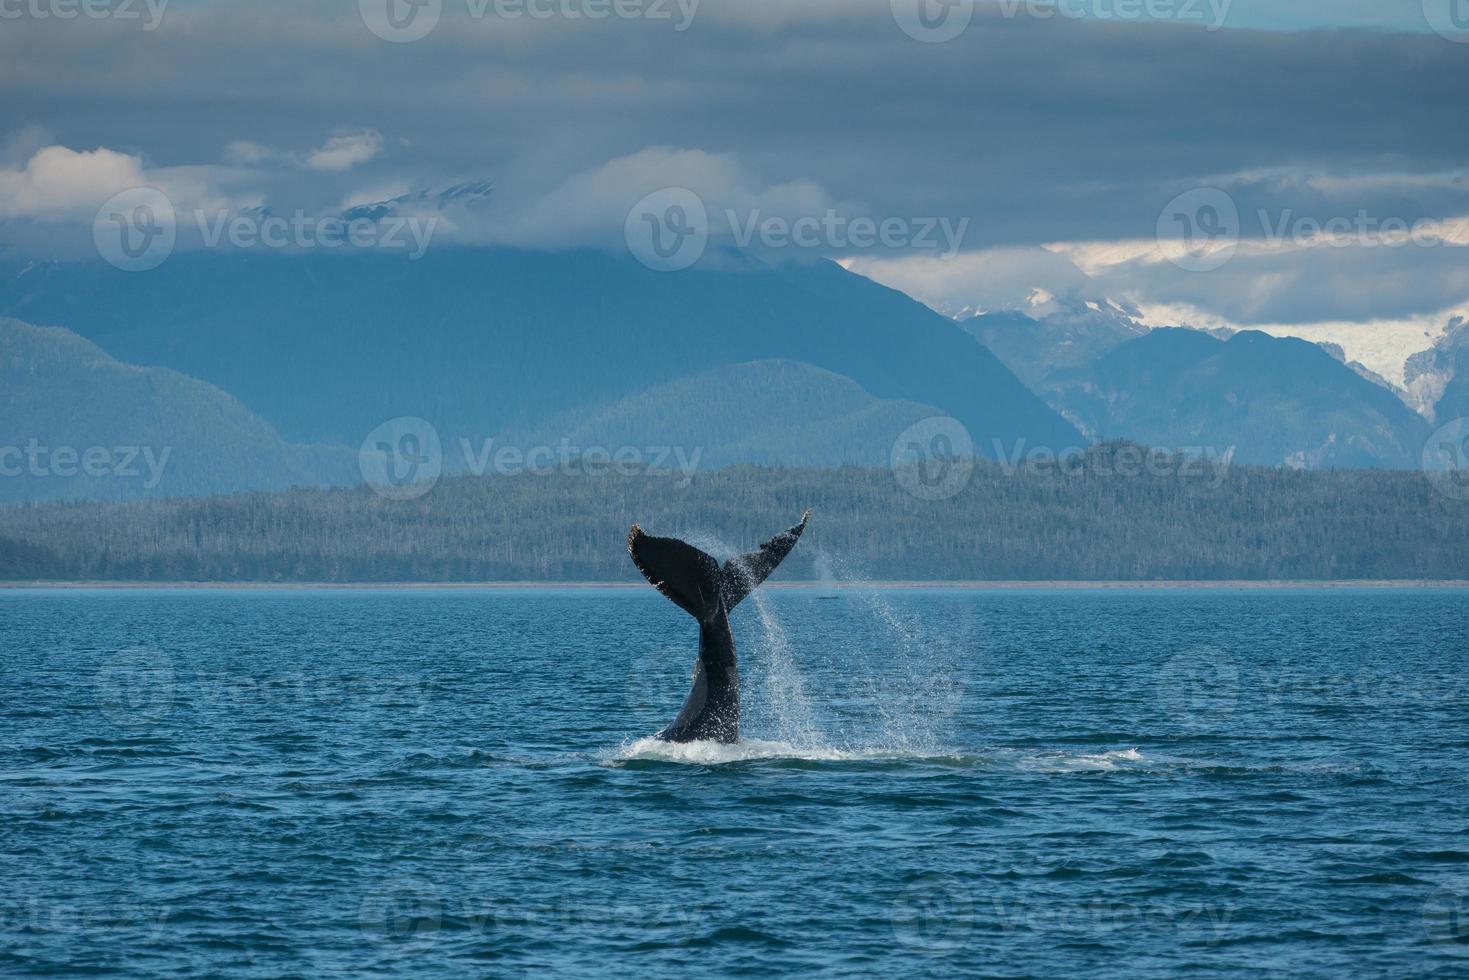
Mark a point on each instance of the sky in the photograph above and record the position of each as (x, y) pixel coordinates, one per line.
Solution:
(1294, 165)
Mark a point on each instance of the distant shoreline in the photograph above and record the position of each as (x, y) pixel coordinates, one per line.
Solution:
(979, 586)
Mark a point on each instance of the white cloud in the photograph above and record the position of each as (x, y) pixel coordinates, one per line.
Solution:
(345, 150)
(57, 182)
(590, 208)
(248, 153)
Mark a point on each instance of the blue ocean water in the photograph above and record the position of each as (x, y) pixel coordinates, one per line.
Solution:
(1085, 783)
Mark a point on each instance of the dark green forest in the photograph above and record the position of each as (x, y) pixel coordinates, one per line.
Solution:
(1092, 524)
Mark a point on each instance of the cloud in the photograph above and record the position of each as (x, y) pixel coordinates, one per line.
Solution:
(344, 150)
(57, 182)
(590, 208)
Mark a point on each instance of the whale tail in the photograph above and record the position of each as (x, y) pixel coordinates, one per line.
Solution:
(695, 581)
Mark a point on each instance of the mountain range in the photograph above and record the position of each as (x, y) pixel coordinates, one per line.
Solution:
(74, 422)
(1277, 401)
(265, 370)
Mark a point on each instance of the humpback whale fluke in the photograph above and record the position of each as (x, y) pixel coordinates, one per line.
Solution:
(704, 589)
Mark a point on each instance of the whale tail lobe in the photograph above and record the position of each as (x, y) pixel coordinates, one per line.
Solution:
(695, 581)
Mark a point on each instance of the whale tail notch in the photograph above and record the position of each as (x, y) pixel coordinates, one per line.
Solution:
(695, 581)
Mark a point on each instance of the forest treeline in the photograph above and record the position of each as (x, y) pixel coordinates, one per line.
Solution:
(1006, 524)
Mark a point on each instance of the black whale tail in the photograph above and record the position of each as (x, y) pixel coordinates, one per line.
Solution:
(695, 581)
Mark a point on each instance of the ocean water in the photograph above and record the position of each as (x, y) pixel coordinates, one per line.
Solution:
(1074, 783)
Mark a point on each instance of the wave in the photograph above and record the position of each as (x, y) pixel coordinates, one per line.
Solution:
(749, 750)
(760, 750)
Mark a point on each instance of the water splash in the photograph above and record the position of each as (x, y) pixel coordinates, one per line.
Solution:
(912, 679)
(898, 692)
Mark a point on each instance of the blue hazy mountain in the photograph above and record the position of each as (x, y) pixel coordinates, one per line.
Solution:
(1037, 347)
(1278, 400)
(483, 341)
(773, 412)
(75, 423)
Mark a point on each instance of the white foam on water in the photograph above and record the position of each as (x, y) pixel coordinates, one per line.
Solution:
(746, 750)
(1081, 761)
